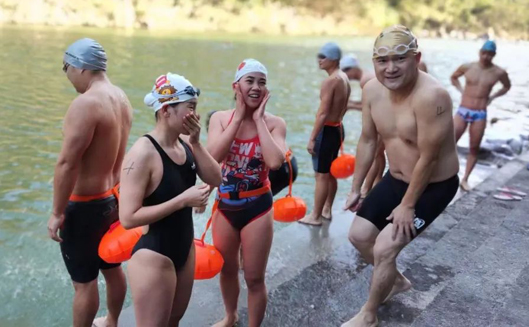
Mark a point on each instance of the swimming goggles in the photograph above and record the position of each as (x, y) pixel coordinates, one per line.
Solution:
(399, 49)
(189, 90)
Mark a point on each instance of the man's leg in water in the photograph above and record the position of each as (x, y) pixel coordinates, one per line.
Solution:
(331, 195)
(320, 196)
(476, 131)
(116, 290)
(85, 303)
(385, 273)
(363, 235)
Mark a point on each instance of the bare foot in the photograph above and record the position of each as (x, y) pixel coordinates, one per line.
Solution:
(326, 214)
(362, 319)
(100, 322)
(227, 322)
(309, 220)
(402, 284)
(464, 185)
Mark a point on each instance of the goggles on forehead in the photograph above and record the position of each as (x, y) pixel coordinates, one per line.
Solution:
(399, 49)
(189, 90)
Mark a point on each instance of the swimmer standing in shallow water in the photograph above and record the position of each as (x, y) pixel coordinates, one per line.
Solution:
(480, 78)
(96, 129)
(248, 142)
(411, 112)
(328, 132)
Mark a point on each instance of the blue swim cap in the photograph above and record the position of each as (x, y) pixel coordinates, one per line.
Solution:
(86, 54)
(331, 51)
(489, 46)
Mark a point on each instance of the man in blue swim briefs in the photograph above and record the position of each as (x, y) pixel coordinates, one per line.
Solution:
(480, 78)
(96, 129)
(328, 133)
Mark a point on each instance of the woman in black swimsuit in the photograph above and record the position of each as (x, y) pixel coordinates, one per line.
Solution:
(158, 192)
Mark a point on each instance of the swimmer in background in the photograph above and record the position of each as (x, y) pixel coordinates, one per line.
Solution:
(328, 133)
(96, 129)
(480, 77)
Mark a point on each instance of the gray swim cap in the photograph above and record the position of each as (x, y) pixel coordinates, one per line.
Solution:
(331, 51)
(86, 54)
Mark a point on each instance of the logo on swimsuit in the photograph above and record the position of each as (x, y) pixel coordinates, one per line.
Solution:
(418, 222)
(193, 166)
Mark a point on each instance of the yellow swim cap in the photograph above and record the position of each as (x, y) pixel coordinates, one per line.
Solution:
(395, 40)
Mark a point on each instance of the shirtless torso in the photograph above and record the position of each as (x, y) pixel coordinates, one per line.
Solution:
(110, 114)
(398, 125)
(336, 87)
(479, 84)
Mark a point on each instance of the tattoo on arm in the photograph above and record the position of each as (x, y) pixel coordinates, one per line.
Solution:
(129, 168)
(440, 110)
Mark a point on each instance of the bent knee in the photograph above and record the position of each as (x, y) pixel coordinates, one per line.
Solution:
(359, 238)
(386, 251)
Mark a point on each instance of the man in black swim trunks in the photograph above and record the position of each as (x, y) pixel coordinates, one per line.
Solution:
(96, 128)
(328, 133)
(412, 113)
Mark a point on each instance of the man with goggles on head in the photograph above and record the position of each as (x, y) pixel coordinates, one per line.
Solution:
(480, 77)
(327, 134)
(411, 112)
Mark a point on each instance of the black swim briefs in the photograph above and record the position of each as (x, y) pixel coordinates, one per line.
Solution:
(388, 194)
(85, 224)
(327, 147)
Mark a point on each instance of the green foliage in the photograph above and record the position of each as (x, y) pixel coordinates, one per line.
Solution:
(477, 16)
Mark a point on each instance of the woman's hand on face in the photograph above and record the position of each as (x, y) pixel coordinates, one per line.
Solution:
(259, 113)
(192, 126)
(240, 105)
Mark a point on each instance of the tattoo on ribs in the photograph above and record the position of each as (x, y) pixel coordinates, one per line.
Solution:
(129, 168)
(440, 110)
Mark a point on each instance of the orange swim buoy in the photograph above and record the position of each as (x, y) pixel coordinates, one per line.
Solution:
(208, 260)
(290, 208)
(343, 166)
(117, 243)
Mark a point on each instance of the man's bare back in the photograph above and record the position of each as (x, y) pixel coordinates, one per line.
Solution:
(479, 84)
(341, 91)
(110, 111)
(397, 122)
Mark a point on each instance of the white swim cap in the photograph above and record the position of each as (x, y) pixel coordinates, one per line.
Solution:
(168, 89)
(249, 66)
(349, 61)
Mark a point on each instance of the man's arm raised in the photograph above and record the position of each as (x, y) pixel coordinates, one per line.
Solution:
(78, 130)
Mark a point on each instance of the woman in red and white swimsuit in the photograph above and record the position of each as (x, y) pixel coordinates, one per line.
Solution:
(247, 142)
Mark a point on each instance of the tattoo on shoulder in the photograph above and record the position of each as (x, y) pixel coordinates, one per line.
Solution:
(129, 168)
(440, 110)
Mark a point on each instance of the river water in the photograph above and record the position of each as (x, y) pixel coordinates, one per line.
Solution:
(35, 289)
